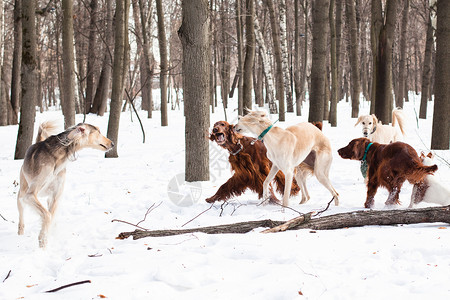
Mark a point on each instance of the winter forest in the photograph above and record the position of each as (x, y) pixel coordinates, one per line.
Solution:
(154, 77)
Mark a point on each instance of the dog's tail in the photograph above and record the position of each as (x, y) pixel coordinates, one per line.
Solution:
(46, 129)
(420, 172)
(398, 117)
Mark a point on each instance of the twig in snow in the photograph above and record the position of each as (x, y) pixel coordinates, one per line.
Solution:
(222, 206)
(197, 215)
(142, 228)
(149, 210)
(326, 208)
(3, 217)
(7, 276)
(68, 285)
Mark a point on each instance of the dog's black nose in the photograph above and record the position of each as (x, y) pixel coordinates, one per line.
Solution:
(215, 130)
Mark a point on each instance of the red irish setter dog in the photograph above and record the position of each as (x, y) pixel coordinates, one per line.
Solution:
(389, 165)
(248, 161)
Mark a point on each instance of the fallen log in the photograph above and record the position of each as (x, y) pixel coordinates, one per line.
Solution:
(342, 220)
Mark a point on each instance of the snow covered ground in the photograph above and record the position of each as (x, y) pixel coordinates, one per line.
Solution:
(391, 262)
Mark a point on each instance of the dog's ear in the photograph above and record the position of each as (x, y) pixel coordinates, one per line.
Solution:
(232, 134)
(375, 120)
(359, 120)
(77, 132)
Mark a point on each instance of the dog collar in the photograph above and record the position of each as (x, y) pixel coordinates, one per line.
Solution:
(239, 150)
(365, 152)
(261, 136)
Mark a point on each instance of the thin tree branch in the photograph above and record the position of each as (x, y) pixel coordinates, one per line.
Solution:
(68, 285)
(7, 276)
(197, 215)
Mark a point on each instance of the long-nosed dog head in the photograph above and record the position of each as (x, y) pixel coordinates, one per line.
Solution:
(223, 133)
(253, 122)
(89, 136)
(368, 123)
(355, 149)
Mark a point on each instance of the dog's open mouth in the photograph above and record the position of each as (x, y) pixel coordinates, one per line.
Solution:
(220, 138)
(106, 148)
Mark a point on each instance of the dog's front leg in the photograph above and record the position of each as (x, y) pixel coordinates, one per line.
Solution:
(273, 171)
(288, 175)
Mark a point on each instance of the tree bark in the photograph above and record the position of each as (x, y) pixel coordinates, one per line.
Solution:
(337, 221)
(68, 105)
(225, 61)
(91, 59)
(278, 61)
(353, 55)
(121, 29)
(194, 36)
(334, 78)
(426, 74)
(383, 60)
(17, 61)
(440, 137)
(319, 59)
(249, 55)
(266, 62)
(29, 80)
(163, 63)
(240, 62)
(402, 63)
(285, 57)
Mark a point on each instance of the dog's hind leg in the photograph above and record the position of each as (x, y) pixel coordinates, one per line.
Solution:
(289, 176)
(301, 180)
(273, 171)
(57, 190)
(22, 190)
(31, 198)
(321, 170)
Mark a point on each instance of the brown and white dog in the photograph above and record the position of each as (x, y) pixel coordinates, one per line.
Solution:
(389, 165)
(288, 148)
(383, 134)
(249, 164)
(430, 190)
(43, 171)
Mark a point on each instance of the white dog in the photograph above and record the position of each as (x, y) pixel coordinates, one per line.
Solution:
(383, 134)
(288, 148)
(430, 190)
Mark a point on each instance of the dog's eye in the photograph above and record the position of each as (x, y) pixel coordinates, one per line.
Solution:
(364, 123)
(370, 123)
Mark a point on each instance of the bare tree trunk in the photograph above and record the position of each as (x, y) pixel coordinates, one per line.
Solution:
(194, 36)
(29, 80)
(339, 60)
(320, 12)
(17, 61)
(240, 51)
(163, 64)
(226, 53)
(266, 63)
(334, 83)
(91, 59)
(249, 55)
(440, 138)
(121, 30)
(354, 61)
(402, 69)
(285, 57)
(147, 73)
(297, 59)
(383, 35)
(68, 106)
(101, 96)
(278, 60)
(3, 102)
(426, 76)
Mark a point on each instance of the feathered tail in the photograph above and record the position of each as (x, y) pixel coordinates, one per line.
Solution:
(398, 117)
(46, 129)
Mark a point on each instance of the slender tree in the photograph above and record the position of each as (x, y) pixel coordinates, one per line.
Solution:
(403, 51)
(194, 36)
(91, 58)
(278, 61)
(68, 105)
(17, 61)
(29, 80)
(239, 78)
(440, 138)
(334, 78)
(164, 62)
(320, 12)
(426, 73)
(353, 55)
(249, 55)
(120, 30)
